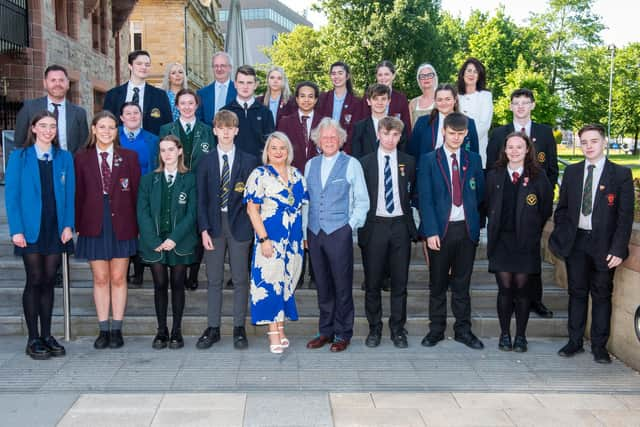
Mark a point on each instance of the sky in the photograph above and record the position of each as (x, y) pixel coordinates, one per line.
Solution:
(619, 16)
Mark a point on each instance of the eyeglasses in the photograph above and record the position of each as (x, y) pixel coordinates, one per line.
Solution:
(471, 71)
(426, 76)
(521, 104)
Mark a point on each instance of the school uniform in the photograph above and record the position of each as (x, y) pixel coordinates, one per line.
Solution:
(255, 124)
(365, 138)
(398, 108)
(107, 232)
(144, 143)
(293, 126)
(213, 98)
(195, 144)
(588, 226)
(350, 113)
(387, 234)
(458, 227)
(279, 108)
(156, 110)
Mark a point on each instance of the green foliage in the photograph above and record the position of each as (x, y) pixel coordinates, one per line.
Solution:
(587, 92)
(626, 92)
(557, 135)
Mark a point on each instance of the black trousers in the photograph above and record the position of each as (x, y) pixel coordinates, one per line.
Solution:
(388, 249)
(457, 253)
(535, 288)
(584, 279)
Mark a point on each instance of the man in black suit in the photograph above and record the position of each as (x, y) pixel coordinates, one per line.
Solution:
(223, 223)
(154, 103)
(388, 231)
(72, 119)
(593, 222)
(522, 104)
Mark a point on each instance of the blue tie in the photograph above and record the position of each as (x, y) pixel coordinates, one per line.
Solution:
(46, 157)
(388, 186)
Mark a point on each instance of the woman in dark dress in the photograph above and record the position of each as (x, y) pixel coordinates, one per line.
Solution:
(167, 221)
(519, 200)
(107, 178)
(40, 224)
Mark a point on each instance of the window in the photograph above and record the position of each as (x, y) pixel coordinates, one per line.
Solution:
(99, 28)
(135, 28)
(66, 17)
(98, 100)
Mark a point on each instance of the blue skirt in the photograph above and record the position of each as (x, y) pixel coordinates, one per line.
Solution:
(105, 246)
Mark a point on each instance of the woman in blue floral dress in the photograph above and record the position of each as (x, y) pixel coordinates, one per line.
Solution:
(274, 195)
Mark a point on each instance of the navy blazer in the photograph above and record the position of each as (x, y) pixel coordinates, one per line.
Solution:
(23, 192)
(76, 118)
(424, 137)
(302, 151)
(254, 127)
(543, 140)
(352, 112)
(208, 191)
(611, 218)
(206, 109)
(284, 108)
(156, 110)
(365, 141)
(434, 192)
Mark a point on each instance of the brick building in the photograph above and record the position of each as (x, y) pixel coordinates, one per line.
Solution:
(184, 31)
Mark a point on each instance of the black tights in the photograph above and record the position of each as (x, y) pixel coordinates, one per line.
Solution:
(510, 299)
(37, 298)
(161, 294)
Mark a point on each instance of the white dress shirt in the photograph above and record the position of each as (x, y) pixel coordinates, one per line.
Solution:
(230, 157)
(457, 212)
(584, 222)
(381, 209)
(62, 121)
(183, 123)
(517, 127)
(130, 87)
(440, 134)
(309, 120)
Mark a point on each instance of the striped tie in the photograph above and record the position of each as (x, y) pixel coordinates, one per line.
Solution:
(587, 196)
(224, 185)
(388, 186)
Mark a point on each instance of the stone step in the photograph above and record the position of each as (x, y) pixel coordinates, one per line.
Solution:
(484, 324)
(140, 302)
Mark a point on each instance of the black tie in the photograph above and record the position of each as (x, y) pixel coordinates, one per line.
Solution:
(246, 107)
(56, 112)
(136, 96)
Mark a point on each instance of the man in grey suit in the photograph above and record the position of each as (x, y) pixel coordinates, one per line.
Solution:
(72, 119)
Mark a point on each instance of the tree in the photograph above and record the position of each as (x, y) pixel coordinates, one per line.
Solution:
(626, 93)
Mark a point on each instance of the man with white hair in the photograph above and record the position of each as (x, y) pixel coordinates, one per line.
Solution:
(219, 93)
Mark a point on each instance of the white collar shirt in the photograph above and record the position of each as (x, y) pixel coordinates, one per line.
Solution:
(381, 209)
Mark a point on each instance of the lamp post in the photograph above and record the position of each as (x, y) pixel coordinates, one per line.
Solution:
(612, 49)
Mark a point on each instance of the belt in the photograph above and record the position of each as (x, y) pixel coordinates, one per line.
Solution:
(388, 219)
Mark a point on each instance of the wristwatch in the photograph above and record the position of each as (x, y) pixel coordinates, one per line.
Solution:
(263, 239)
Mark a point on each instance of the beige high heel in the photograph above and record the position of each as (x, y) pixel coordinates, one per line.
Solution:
(275, 348)
(284, 342)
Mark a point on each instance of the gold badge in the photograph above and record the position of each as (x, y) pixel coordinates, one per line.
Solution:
(155, 113)
(541, 157)
(239, 187)
(532, 199)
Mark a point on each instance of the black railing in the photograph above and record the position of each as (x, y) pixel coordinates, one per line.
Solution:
(14, 25)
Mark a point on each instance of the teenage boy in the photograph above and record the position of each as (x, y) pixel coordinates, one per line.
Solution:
(365, 134)
(593, 222)
(388, 231)
(223, 223)
(153, 102)
(255, 119)
(451, 188)
(522, 104)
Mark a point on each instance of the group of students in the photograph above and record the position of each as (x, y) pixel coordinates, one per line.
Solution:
(293, 176)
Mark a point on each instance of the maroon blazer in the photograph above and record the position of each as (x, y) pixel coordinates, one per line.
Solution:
(284, 109)
(352, 112)
(302, 151)
(123, 194)
(398, 107)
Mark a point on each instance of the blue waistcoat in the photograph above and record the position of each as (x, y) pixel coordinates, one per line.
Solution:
(328, 206)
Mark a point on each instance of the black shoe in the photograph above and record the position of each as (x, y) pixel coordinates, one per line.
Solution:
(469, 340)
(520, 344)
(209, 337)
(240, 341)
(431, 340)
(191, 285)
(37, 350)
(541, 310)
(570, 350)
(600, 355)
(102, 341)
(161, 339)
(505, 342)
(374, 337)
(54, 347)
(135, 280)
(176, 339)
(230, 284)
(400, 339)
(115, 339)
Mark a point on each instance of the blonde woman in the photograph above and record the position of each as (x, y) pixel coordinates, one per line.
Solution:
(277, 97)
(175, 79)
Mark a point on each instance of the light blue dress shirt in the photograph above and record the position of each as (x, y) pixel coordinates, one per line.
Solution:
(62, 121)
(273, 106)
(338, 103)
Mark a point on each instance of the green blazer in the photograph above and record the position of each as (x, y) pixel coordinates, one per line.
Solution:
(183, 215)
(203, 140)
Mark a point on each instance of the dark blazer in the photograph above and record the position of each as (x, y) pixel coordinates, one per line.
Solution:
(156, 110)
(292, 127)
(23, 192)
(253, 128)
(76, 117)
(406, 187)
(534, 203)
(611, 219)
(424, 137)
(365, 141)
(352, 112)
(542, 138)
(183, 215)
(206, 109)
(123, 194)
(434, 192)
(398, 108)
(208, 184)
(203, 140)
(284, 109)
